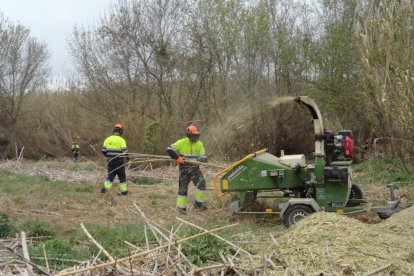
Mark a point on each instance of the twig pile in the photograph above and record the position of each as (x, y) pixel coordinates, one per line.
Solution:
(15, 259)
(166, 257)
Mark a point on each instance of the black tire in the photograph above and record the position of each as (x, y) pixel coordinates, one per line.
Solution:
(384, 216)
(356, 193)
(295, 213)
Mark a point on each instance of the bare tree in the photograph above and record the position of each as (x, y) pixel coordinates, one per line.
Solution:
(23, 70)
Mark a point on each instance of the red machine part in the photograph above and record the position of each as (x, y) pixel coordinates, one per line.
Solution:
(348, 147)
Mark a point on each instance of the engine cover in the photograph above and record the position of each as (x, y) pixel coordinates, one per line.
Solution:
(336, 174)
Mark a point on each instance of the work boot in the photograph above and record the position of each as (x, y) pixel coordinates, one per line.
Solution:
(182, 211)
(104, 190)
(200, 206)
(124, 193)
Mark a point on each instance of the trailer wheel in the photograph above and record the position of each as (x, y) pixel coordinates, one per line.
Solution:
(295, 213)
(383, 215)
(356, 193)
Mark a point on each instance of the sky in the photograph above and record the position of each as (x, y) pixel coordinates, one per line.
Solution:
(52, 22)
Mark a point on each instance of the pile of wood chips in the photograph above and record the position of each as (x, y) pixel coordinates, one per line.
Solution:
(334, 244)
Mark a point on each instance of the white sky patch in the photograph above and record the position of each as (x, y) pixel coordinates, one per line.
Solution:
(52, 22)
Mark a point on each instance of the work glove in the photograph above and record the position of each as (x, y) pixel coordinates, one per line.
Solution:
(127, 157)
(202, 159)
(180, 160)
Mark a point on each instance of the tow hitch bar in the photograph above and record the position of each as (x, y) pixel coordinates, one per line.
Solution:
(394, 206)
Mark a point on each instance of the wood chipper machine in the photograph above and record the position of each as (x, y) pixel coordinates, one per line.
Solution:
(303, 188)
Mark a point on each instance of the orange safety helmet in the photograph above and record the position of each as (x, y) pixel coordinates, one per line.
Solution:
(192, 133)
(118, 128)
(192, 129)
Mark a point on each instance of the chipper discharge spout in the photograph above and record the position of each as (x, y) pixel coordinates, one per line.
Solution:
(297, 188)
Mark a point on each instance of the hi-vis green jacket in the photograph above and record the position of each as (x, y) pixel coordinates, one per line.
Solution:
(184, 147)
(113, 146)
(75, 147)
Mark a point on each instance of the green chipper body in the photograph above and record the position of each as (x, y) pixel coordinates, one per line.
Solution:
(301, 188)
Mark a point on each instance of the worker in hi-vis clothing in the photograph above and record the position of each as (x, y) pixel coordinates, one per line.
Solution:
(116, 151)
(75, 151)
(189, 148)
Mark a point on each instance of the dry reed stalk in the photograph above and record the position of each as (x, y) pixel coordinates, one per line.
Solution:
(106, 253)
(23, 259)
(141, 253)
(215, 235)
(329, 256)
(46, 260)
(25, 252)
(151, 223)
(211, 267)
(278, 250)
(376, 271)
(58, 259)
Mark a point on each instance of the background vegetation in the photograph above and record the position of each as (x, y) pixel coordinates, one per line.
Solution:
(157, 65)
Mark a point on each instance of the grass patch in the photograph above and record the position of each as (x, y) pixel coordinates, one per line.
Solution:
(65, 252)
(158, 196)
(112, 238)
(144, 180)
(7, 228)
(61, 253)
(22, 185)
(381, 171)
(37, 228)
(202, 249)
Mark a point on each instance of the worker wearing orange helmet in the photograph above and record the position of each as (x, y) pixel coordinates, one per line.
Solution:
(116, 151)
(192, 149)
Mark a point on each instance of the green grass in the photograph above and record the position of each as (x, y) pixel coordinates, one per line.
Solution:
(76, 246)
(381, 171)
(7, 227)
(144, 180)
(35, 227)
(59, 253)
(20, 185)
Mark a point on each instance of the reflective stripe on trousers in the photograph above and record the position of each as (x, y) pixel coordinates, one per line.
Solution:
(200, 196)
(181, 201)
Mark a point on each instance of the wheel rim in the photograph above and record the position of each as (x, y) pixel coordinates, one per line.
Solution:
(298, 215)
